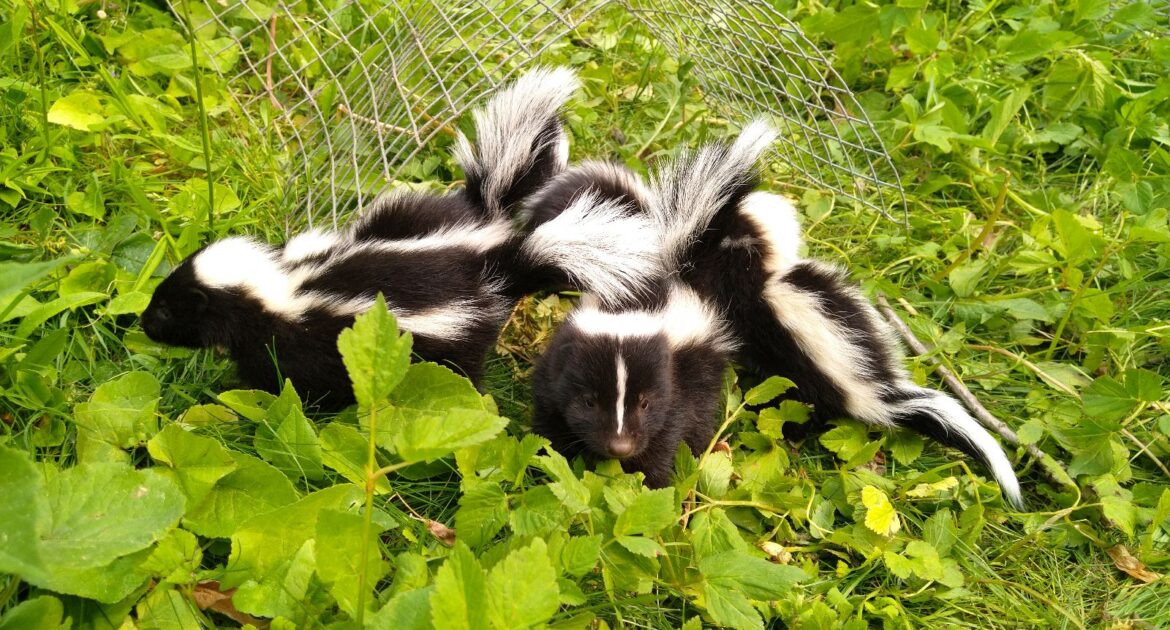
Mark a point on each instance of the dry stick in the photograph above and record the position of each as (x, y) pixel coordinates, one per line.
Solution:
(1049, 465)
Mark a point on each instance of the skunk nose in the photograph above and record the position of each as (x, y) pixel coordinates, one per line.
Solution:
(621, 447)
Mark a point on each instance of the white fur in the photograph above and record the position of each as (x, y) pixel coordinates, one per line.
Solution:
(622, 375)
(307, 244)
(598, 323)
(620, 175)
(475, 237)
(952, 415)
(507, 127)
(775, 219)
(688, 319)
(827, 343)
(604, 248)
(690, 191)
(242, 263)
(447, 321)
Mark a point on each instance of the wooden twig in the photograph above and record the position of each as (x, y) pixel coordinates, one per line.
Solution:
(268, 64)
(1052, 468)
(370, 121)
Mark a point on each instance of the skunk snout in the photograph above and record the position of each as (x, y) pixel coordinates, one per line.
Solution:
(620, 447)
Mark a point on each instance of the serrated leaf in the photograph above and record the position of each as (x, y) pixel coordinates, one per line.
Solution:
(255, 487)
(579, 554)
(880, 516)
(648, 513)
(339, 565)
(767, 391)
(522, 588)
(287, 439)
(924, 490)
(754, 577)
(905, 446)
(965, 278)
(166, 609)
(408, 610)
(281, 590)
(197, 462)
(567, 486)
(375, 356)
(176, 558)
(345, 449)
(79, 110)
(728, 607)
(121, 412)
(483, 510)
(250, 403)
(639, 545)
(712, 533)
(1107, 399)
(460, 594)
(26, 513)
(715, 472)
(538, 512)
(435, 412)
(258, 548)
(38, 613)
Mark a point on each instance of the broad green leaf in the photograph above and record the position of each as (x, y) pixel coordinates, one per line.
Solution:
(712, 533)
(176, 558)
(538, 512)
(121, 412)
(375, 356)
(522, 588)
(715, 472)
(846, 439)
(41, 314)
(259, 548)
(287, 439)
(649, 512)
(924, 490)
(647, 547)
(339, 557)
(109, 584)
(567, 486)
(252, 489)
(100, 512)
(38, 613)
(767, 391)
(408, 610)
(880, 516)
(728, 607)
(345, 449)
(435, 412)
(79, 110)
(283, 589)
(460, 594)
(167, 609)
(250, 403)
(196, 462)
(754, 577)
(483, 510)
(26, 514)
(580, 554)
(965, 278)
(1107, 399)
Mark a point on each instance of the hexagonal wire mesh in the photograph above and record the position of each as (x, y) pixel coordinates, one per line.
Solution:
(358, 87)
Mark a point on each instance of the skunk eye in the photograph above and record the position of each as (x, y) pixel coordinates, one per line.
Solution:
(162, 313)
(590, 401)
(644, 403)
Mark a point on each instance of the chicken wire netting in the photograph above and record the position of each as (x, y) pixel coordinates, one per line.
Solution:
(355, 90)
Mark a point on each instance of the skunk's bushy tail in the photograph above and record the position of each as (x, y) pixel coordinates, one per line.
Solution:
(520, 141)
(606, 181)
(698, 188)
(942, 418)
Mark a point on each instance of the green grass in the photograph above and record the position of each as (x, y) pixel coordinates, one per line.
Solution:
(1051, 305)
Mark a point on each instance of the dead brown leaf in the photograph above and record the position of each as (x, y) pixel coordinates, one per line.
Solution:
(446, 535)
(208, 596)
(1124, 560)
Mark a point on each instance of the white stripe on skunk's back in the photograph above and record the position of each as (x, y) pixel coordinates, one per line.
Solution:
(776, 221)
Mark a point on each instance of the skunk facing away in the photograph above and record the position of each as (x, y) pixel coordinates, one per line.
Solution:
(451, 267)
(739, 252)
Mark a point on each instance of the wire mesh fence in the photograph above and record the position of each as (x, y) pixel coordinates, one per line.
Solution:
(355, 90)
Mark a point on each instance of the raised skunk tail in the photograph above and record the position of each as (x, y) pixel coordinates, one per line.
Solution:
(520, 141)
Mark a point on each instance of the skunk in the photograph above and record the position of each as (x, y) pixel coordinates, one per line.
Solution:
(633, 383)
(451, 267)
(738, 250)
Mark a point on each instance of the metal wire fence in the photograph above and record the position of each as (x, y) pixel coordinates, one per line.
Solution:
(355, 90)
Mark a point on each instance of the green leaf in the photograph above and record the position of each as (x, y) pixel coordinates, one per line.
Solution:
(538, 512)
(880, 516)
(905, 446)
(26, 514)
(250, 403)
(345, 449)
(339, 558)
(483, 510)
(460, 594)
(286, 438)
(79, 110)
(754, 577)
(712, 533)
(38, 613)
(728, 607)
(121, 413)
(965, 278)
(258, 548)
(567, 486)
(167, 609)
(767, 391)
(436, 412)
(196, 462)
(1107, 399)
(409, 610)
(375, 356)
(176, 558)
(15, 276)
(281, 590)
(522, 588)
(639, 545)
(580, 554)
(649, 512)
(252, 489)
(715, 472)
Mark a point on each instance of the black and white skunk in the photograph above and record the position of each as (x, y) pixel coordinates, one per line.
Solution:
(738, 250)
(450, 267)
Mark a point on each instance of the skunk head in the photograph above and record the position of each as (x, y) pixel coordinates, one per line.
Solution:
(613, 392)
(218, 291)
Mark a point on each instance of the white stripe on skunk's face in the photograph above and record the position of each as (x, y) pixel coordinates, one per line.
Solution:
(621, 378)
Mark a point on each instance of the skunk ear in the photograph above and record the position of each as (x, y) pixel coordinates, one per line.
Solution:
(198, 301)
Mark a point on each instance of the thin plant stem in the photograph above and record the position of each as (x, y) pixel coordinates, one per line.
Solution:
(41, 77)
(203, 126)
(368, 513)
